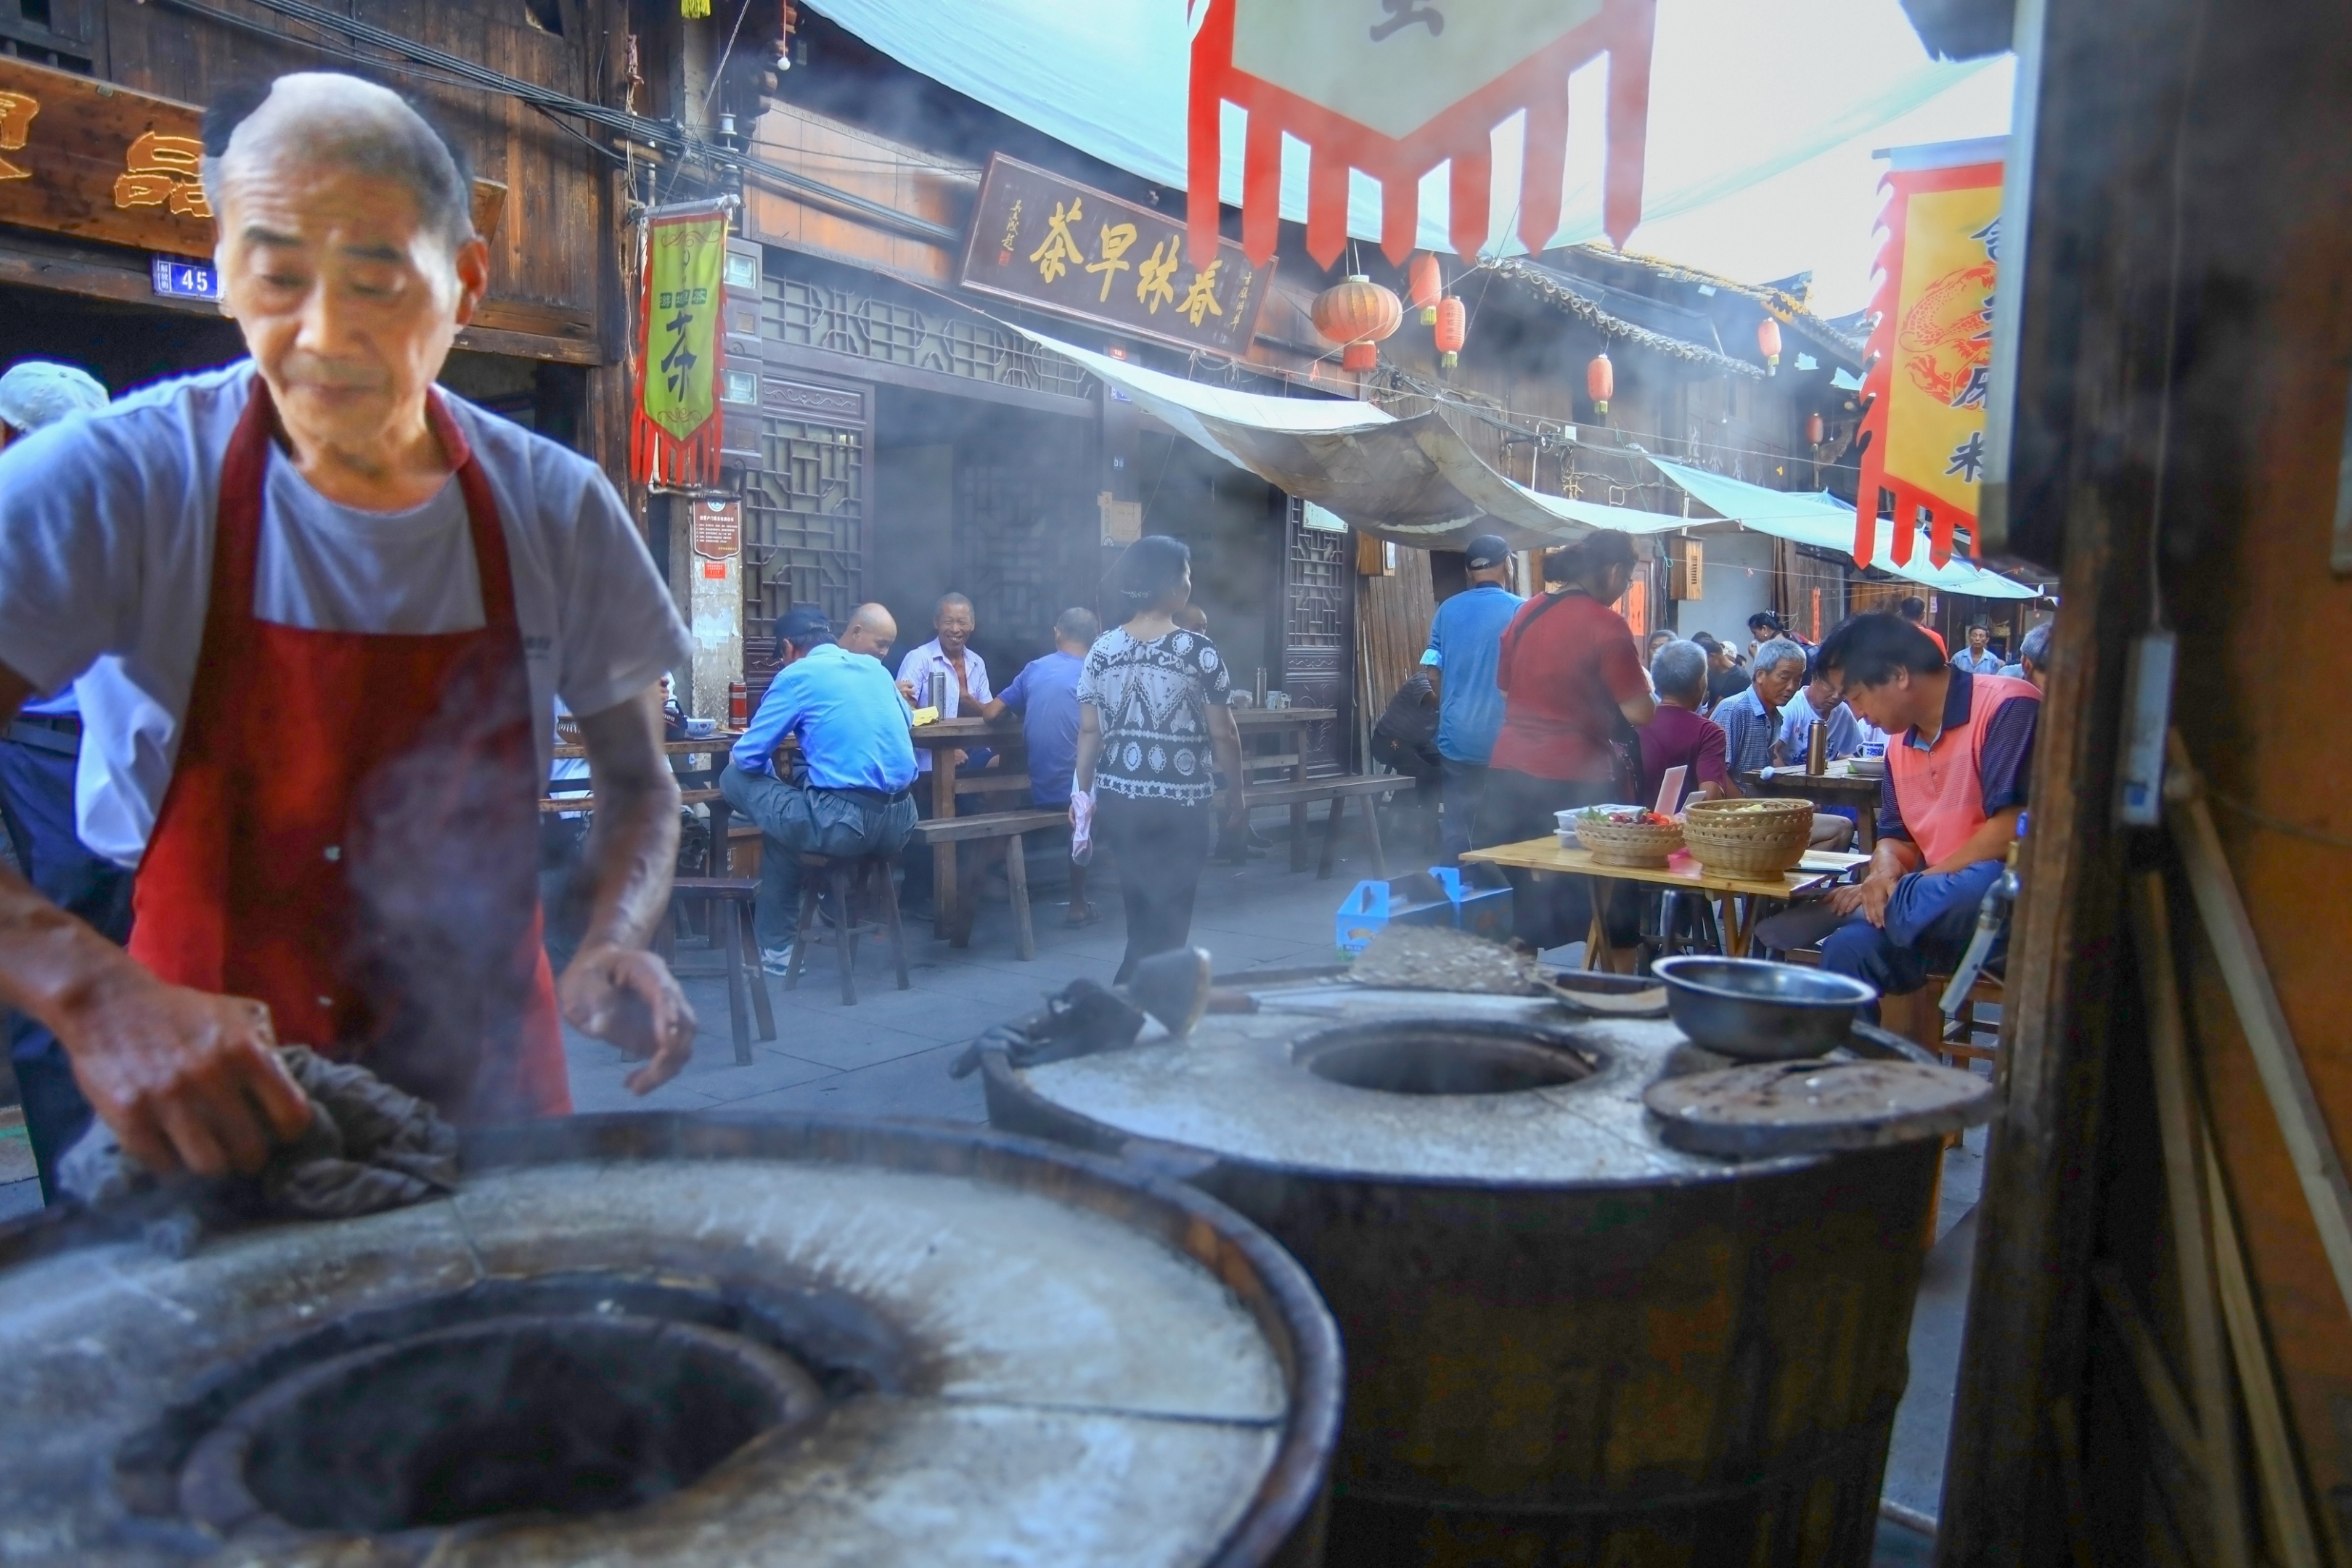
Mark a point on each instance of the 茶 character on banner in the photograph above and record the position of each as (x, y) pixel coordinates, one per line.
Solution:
(1201, 299)
(1154, 286)
(1116, 239)
(16, 111)
(1058, 251)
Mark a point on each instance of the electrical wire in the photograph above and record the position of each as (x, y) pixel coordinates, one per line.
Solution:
(2262, 818)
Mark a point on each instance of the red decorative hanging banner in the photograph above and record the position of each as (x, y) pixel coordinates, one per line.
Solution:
(675, 441)
(1398, 91)
(1930, 355)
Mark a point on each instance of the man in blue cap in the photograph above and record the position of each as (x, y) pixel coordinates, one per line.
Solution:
(849, 791)
(1465, 640)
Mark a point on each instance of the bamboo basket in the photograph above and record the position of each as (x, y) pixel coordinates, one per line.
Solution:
(1748, 838)
(1628, 843)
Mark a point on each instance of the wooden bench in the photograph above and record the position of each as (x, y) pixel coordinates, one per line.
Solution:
(1340, 789)
(955, 923)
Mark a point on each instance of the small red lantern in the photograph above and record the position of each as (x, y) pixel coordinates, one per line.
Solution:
(1814, 430)
(1452, 325)
(1357, 313)
(1600, 381)
(1427, 284)
(1768, 340)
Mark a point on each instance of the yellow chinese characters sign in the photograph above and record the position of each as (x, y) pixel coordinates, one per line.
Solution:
(1048, 243)
(677, 431)
(1933, 356)
(102, 163)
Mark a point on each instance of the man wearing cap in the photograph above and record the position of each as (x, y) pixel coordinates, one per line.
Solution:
(848, 790)
(331, 608)
(1464, 638)
(37, 762)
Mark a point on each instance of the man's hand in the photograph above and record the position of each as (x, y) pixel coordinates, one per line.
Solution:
(188, 1081)
(628, 996)
(1869, 895)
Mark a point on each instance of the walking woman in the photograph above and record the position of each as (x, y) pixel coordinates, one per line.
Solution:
(1152, 721)
(1571, 681)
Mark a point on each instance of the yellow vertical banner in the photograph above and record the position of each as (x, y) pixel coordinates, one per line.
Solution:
(1931, 357)
(681, 348)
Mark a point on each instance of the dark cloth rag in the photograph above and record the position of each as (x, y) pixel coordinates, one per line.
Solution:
(368, 1147)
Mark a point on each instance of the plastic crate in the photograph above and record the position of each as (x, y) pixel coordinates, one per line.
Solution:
(1418, 899)
(1481, 897)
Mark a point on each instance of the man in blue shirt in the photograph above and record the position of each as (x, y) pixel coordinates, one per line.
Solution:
(1465, 638)
(1045, 695)
(38, 756)
(1821, 705)
(1750, 719)
(1978, 657)
(848, 794)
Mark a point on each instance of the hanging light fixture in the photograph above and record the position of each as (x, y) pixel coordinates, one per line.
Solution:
(1426, 284)
(1815, 431)
(1768, 341)
(1357, 313)
(1600, 381)
(1453, 326)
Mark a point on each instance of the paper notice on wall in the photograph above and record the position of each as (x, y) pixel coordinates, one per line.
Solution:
(1122, 520)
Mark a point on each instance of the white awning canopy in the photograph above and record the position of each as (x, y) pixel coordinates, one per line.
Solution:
(1412, 481)
(1820, 519)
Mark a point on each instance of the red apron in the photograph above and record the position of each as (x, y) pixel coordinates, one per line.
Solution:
(352, 830)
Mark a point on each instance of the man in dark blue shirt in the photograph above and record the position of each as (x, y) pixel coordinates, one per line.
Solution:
(1045, 695)
(848, 794)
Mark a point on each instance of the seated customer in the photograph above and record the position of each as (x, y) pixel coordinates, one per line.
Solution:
(1045, 695)
(848, 790)
(1405, 739)
(1956, 777)
(1821, 705)
(1676, 737)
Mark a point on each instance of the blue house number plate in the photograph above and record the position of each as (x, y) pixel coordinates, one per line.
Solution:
(178, 280)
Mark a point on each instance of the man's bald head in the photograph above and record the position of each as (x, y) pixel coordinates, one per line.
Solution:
(326, 117)
(871, 630)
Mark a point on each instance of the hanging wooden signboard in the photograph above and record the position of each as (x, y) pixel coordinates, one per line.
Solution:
(1054, 245)
(87, 158)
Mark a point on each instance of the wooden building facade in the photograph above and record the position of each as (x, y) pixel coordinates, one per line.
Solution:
(98, 105)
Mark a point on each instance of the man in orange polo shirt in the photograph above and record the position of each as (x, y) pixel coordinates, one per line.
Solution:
(1959, 749)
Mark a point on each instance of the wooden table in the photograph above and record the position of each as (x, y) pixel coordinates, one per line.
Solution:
(945, 737)
(1833, 788)
(698, 786)
(1737, 894)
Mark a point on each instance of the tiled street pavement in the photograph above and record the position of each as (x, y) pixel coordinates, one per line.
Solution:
(888, 1055)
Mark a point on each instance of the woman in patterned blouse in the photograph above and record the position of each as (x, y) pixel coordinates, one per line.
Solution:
(1153, 726)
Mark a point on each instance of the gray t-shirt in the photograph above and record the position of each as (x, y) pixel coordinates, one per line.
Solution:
(106, 544)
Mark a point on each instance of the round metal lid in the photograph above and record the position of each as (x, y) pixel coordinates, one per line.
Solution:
(1779, 1107)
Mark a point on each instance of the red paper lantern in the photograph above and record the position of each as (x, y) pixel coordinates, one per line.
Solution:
(1600, 381)
(1768, 340)
(1357, 313)
(1452, 325)
(1427, 285)
(1813, 429)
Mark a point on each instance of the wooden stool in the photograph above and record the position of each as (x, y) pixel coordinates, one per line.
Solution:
(844, 877)
(726, 903)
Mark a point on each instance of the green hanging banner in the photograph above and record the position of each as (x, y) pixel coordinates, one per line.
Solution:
(681, 348)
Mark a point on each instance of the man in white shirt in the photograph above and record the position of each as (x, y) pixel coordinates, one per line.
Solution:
(945, 674)
(329, 609)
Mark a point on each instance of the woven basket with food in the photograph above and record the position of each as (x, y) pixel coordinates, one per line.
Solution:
(1748, 838)
(1628, 836)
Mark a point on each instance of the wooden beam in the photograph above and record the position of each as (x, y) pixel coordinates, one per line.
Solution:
(2260, 1018)
(2178, 1121)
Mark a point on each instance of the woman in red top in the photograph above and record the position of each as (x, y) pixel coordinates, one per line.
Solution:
(1571, 680)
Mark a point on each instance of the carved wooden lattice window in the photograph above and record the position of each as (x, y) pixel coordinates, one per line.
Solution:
(813, 315)
(803, 523)
(1320, 564)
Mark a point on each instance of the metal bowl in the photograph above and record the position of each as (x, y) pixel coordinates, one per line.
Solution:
(1760, 1011)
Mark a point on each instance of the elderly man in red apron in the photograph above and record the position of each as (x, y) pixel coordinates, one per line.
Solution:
(320, 612)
